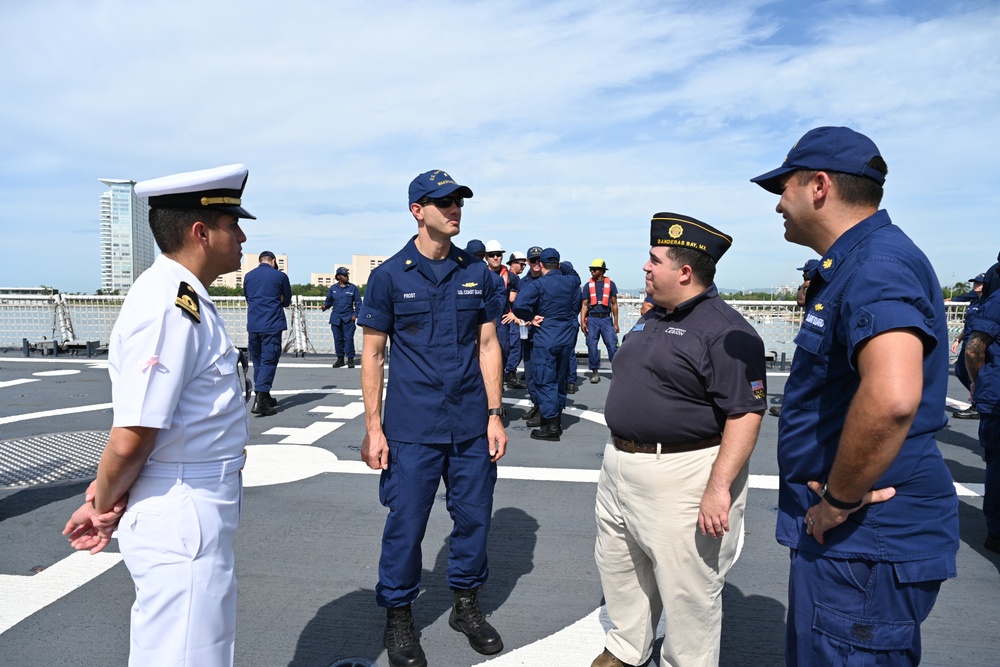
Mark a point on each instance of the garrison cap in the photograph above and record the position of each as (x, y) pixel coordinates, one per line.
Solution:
(681, 231)
(436, 184)
(549, 255)
(217, 189)
(342, 270)
(826, 149)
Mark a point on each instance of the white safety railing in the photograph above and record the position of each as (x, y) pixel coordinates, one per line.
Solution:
(75, 319)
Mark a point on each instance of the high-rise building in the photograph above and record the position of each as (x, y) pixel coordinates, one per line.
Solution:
(251, 260)
(127, 247)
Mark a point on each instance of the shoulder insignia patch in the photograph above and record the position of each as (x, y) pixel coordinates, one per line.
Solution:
(187, 300)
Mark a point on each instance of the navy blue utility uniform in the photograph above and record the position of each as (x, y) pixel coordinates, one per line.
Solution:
(599, 323)
(268, 292)
(971, 314)
(554, 296)
(987, 400)
(344, 302)
(888, 558)
(435, 417)
(527, 347)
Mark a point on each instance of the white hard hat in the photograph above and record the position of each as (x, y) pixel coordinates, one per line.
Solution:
(493, 246)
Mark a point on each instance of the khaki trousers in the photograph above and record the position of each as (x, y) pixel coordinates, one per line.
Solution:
(652, 557)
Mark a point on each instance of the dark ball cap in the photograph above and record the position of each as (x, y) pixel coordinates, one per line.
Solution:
(549, 255)
(342, 270)
(266, 253)
(809, 266)
(826, 149)
(436, 184)
(681, 231)
(534, 252)
(475, 246)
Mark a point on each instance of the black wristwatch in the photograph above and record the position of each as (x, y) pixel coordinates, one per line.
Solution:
(834, 501)
(500, 412)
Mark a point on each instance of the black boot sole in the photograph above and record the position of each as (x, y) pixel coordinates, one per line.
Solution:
(485, 650)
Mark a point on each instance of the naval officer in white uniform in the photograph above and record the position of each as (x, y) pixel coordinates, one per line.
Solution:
(180, 426)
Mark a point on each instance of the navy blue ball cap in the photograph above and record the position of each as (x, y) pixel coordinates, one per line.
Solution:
(475, 246)
(342, 270)
(981, 278)
(826, 149)
(549, 255)
(219, 189)
(534, 252)
(810, 265)
(266, 253)
(682, 231)
(436, 184)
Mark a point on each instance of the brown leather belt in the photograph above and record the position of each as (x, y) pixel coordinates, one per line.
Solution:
(670, 448)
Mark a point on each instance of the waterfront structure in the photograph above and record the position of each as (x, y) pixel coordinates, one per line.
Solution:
(127, 247)
(250, 262)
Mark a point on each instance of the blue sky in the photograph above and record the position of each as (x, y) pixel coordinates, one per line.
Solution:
(573, 122)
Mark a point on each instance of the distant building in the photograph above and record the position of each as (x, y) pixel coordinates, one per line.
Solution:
(250, 262)
(361, 267)
(127, 247)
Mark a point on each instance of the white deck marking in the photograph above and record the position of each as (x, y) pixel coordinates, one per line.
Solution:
(49, 374)
(14, 383)
(23, 596)
(55, 413)
(304, 436)
(576, 644)
(349, 411)
(294, 392)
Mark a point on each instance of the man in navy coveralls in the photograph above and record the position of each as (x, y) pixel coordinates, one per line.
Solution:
(268, 292)
(865, 502)
(443, 417)
(344, 300)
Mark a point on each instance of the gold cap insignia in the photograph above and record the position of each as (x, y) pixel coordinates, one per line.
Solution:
(675, 231)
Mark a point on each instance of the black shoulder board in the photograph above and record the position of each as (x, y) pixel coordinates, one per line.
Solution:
(187, 300)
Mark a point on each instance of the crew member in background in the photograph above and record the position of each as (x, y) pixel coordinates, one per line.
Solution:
(684, 409)
(508, 287)
(179, 429)
(533, 417)
(551, 303)
(516, 263)
(807, 270)
(344, 301)
(573, 380)
(268, 293)
(961, 371)
(599, 317)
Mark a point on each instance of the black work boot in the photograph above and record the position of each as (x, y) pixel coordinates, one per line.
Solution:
(339, 362)
(595, 376)
(533, 416)
(263, 404)
(513, 382)
(549, 430)
(467, 618)
(401, 639)
(350, 362)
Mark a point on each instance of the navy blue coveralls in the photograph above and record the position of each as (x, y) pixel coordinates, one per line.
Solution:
(513, 330)
(971, 313)
(554, 296)
(987, 400)
(435, 414)
(268, 292)
(344, 302)
(867, 589)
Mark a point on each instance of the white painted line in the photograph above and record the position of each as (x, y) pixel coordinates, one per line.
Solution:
(23, 595)
(349, 411)
(14, 383)
(952, 403)
(295, 392)
(55, 413)
(576, 644)
(769, 482)
(549, 474)
(304, 436)
(970, 490)
(49, 374)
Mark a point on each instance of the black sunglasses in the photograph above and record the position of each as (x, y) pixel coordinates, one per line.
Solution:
(494, 254)
(443, 202)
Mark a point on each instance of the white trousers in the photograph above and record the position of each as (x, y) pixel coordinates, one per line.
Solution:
(176, 538)
(652, 557)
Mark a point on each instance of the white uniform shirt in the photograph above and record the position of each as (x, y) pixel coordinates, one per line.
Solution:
(177, 375)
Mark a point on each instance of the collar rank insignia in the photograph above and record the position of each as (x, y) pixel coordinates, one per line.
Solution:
(187, 300)
(827, 263)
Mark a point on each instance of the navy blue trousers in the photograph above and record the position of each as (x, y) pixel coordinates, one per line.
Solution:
(343, 337)
(989, 438)
(514, 345)
(853, 612)
(550, 368)
(408, 488)
(264, 350)
(604, 328)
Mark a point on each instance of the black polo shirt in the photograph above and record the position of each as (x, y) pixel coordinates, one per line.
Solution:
(678, 375)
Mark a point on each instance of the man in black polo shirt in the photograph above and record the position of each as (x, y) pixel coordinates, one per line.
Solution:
(684, 409)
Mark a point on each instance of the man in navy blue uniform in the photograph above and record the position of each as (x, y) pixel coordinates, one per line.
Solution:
(533, 417)
(982, 358)
(971, 313)
(599, 317)
(268, 293)
(344, 302)
(866, 503)
(551, 303)
(443, 418)
(516, 263)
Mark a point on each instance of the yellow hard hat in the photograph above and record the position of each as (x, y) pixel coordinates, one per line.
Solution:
(598, 263)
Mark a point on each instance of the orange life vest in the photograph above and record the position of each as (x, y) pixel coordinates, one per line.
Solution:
(606, 297)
